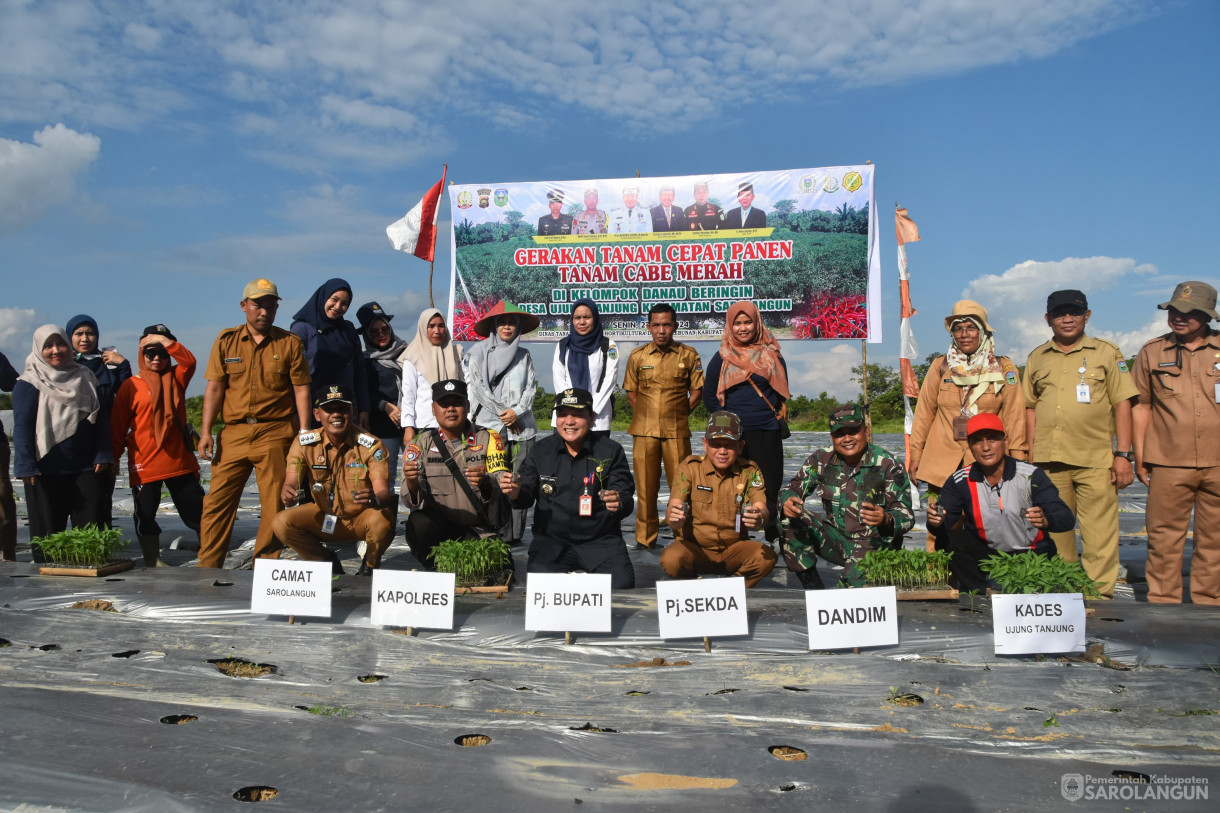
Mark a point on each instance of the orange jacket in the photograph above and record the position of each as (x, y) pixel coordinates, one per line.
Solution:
(131, 427)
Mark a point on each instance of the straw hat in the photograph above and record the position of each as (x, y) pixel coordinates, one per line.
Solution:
(527, 322)
(968, 307)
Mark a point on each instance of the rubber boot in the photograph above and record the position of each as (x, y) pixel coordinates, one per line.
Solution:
(150, 546)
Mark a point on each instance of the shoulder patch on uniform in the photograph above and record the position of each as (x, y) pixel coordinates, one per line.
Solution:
(1122, 365)
(308, 438)
(366, 441)
(1011, 376)
(379, 455)
(612, 353)
(756, 481)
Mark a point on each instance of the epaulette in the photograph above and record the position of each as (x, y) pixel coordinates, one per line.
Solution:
(365, 440)
(308, 437)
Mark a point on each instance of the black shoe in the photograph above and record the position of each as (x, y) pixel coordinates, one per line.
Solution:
(364, 569)
(336, 566)
(810, 580)
(657, 548)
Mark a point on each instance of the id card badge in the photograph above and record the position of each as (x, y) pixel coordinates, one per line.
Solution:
(586, 505)
(1083, 396)
(328, 523)
(959, 427)
(1218, 392)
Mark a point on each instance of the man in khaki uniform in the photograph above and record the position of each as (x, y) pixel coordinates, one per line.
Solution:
(258, 382)
(719, 499)
(664, 382)
(444, 506)
(352, 499)
(1177, 455)
(1073, 385)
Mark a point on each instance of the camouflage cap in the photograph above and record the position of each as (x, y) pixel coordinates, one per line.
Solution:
(846, 416)
(723, 424)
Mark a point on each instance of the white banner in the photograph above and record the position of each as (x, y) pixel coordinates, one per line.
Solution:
(567, 602)
(291, 588)
(1029, 624)
(698, 608)
(842, 619)
(404, 598)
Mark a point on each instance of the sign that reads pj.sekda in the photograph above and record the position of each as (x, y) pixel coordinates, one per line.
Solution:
(800, 244)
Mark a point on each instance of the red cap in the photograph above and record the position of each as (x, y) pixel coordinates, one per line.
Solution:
(985, 420)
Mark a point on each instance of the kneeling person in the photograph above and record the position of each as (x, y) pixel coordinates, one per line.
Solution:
(450, 477)
(998, 503)
(718, 499)
(866, 497)
(583, 490)
(352, 499)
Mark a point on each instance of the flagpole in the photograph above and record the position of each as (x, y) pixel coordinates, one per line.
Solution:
(868, 412)
(431, 268)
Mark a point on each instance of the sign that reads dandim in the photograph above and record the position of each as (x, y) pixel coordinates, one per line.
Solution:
(282, 587)
(699, 608)
(840, 619)
(801, 244)
(567, 602)
(1029, 624)
(412, 599)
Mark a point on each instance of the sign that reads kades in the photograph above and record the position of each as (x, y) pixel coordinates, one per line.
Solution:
(1029, 624)
(839, 619)
(700, 608)
(567, 602)
(282, 587)
(412, 599)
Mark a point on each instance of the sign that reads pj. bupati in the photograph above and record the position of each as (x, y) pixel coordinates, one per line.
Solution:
(839, 619)
(282, 587)
(412, 599)
(1029, 624)
(567, 602)
(800, 244)
(702, 608)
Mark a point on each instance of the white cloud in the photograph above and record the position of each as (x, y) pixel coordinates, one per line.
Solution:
(330, 74)
(812, 371)
(37, 177)
(1130, 341)
(1016, 299)
(16, 333)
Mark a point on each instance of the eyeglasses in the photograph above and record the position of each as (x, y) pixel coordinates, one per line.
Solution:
(1066, 312)
(965, 330)
(383, 330)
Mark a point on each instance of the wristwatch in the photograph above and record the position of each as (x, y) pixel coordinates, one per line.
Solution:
(1129, 455)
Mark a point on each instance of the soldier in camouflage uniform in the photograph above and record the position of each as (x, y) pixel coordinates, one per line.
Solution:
(592, 220)
(866, 497)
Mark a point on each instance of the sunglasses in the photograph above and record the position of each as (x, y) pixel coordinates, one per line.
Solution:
(155, 351)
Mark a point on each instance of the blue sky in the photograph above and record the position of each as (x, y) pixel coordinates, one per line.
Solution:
(156, 155)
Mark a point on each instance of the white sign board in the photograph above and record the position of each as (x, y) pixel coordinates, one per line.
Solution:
(567, 602)
(283, 587)
(403, 598)
(841, 619)
(699, 608)
(1028, 624)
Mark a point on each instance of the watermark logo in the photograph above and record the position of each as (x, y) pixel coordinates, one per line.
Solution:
(1132, 786)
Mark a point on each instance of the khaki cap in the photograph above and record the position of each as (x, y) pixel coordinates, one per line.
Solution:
(968, 307)
(1193, 296)
(259, 288)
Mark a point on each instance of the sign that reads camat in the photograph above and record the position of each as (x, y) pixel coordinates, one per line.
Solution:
(702, 608)
(412, 599)
(282, 587)
(839, 619)
(1029, 624)
(567, 602)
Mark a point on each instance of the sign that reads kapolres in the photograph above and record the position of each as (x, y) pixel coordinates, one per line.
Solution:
(700, 608)
(567, 602)
(1030, 624)
(840, 619)
(282, 587)
(801, 244)
(412, 599)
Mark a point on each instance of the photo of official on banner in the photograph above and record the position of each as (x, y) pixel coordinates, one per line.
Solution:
(801, 244)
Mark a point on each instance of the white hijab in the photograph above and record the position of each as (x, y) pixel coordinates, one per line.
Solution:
(67, 394)
(433, 363)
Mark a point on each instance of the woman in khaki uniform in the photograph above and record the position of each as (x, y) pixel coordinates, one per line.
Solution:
(970, 379)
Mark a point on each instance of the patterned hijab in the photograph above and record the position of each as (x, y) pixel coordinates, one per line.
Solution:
(978, 370)
(760, 355)
(66, 394)
(433, 363)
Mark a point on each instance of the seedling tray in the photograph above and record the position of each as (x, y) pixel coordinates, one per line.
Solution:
(75, 570)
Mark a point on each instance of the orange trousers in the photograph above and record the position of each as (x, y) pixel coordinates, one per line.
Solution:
(747, 558)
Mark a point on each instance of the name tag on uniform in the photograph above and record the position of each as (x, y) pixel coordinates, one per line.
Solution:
(1083, 396)
(328, 524)
(586, 505)
(235, 360)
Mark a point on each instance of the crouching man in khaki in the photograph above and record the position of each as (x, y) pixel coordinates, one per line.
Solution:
(718, 499)
(351, 487)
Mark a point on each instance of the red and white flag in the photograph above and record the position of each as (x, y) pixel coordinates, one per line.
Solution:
(906, 232)
(416, 233)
